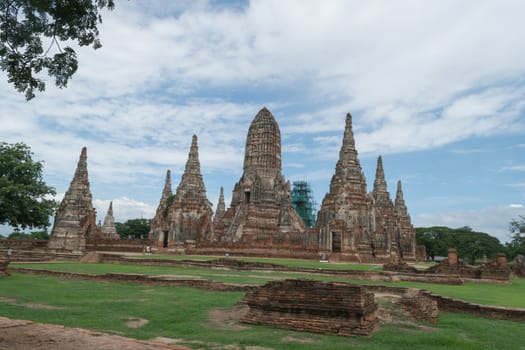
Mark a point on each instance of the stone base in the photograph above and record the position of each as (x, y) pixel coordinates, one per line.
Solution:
(312, 306)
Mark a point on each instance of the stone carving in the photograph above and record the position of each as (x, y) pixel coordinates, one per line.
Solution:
(75, 219)
(108, 227)
(363, 227)
(313, 306)
(186, 216)
(260, 213)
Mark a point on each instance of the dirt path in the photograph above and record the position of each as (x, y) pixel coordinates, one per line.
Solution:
(27, 335)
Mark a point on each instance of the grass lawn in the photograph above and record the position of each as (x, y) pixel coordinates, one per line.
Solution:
(285, 262)
(492, 294)
(183, 313)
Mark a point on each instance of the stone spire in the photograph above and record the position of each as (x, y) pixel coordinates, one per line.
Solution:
(261, 212)
(406, 232)
(380, 189)
(348, 169)
(167, 191)
(263, 143)
(159, 223)
(400, 201)
(221, 208)
(75, 219)
(108, 228)
(191, 183)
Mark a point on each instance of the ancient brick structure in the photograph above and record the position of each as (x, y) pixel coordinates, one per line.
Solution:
(108, 227)
(359, 226)
(75, 219)
(313, 306)
(3, 267)
(420, 305)
(159, 225)
(260, 213)
(221, 209)
(186, 216)
(405, 234)
(383, 208)
(497, 269)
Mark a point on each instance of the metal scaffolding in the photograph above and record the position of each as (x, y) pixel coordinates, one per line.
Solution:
(303, 202)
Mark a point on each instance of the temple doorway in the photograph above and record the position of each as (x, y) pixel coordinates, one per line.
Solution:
(336, 242)
(165, 239)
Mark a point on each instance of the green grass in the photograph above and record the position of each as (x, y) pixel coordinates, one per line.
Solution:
(285, 262)
(491, 294)
(183, 313)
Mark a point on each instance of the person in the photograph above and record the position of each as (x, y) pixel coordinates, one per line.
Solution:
(9, 253)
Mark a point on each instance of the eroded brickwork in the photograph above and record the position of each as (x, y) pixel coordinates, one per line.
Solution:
(313, 306)
(261, 213)
(186, 216)
(75, 219)
(359, 226)
(108, 227)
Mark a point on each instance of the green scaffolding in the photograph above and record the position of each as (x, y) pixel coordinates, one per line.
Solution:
(303, 202)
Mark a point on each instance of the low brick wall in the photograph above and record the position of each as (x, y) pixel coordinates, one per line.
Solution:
(313, 306)
(420, 304)
(239, 265)
(448, 304)
(3, 267)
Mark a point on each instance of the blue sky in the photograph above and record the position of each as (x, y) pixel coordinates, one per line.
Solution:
(436, 87)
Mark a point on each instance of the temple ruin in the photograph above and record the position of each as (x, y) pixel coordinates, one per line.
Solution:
(313, 306)
(75, 219)
(261, 214)
(361, 226)
(109, 231)
(185, 217)
(352, 224)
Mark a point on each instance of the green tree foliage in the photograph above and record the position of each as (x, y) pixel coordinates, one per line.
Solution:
(471, 245)
(40, 235)
(24, 201)
(26, 24)
(133, 228)
(517, 244)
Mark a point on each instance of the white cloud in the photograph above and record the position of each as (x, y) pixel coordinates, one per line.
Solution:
(492, 220)
(124, 209)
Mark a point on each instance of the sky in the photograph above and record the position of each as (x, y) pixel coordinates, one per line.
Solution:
(435, 87)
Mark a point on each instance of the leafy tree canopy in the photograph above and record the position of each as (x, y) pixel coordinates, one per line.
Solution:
(31, 235)
(133, 228)
(26, 24)
(517, 244)
(24, 195)
(471, 245)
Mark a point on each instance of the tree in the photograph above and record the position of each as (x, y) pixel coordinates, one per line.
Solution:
(470, 245)
(517, 244)
(24, 196)
(40, 235)
(133, 228)
(25, 23)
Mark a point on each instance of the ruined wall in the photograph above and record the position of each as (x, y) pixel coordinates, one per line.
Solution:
(312, 306)
(420, 304)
